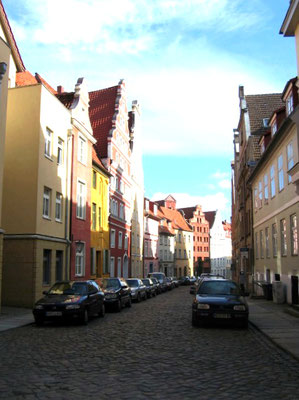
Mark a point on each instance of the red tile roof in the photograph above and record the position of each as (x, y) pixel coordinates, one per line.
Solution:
(176, 218)
(188, 211)
(210, 217)
(165, 230)
(25, 78)
(66, 98)
(11, 40)
(102, 107)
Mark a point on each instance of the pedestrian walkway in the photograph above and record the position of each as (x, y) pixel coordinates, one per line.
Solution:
(279, 322)
(14, 317)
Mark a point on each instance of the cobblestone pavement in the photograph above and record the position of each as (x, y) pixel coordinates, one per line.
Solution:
(150, 351)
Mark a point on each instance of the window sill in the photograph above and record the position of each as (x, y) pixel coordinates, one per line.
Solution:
(49, 157)
(46, 218)
(58, 220)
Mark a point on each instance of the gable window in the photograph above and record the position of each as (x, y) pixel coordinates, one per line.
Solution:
(60, 151)
(48, 143)
(272, 180)
(283, 237)
(294, 235)
(82, 149)
(81, 200)
(58, 207)
(280, 172)
(290, 158)
(47, 202)
(289, 104)
(80, 259)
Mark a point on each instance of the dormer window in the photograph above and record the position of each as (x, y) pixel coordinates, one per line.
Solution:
(146, 205)
(274, 128)
(289, 104)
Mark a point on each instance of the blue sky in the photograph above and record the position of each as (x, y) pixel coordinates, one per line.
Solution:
(182, 59)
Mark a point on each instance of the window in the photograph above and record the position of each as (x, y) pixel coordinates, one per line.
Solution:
(274, 239)
(267, 242)
(290, 158)
(126, 242)
(180, 238)
(105, 262)
(120, 240)
(82, 150)
(48, 142)
(111, 267)
(256, 202)
(165, 255)
(121, 211)
(260, 194)
(256, 245)
(272, 179)
(119, 266)
(262, 244)
(94, 216)
(81, 200)
(59, 265)
(274, 128)
(294, 235)
(47, 267)
(266, 189)
(280, 172)
(94, 179)
(47, 203)
(289, 104)
(60, 151)
(112, 238)
(100, 218)
(80, 259)
(283, 237)
(58, 207)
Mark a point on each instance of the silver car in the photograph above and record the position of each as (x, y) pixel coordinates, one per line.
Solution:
(138, 289)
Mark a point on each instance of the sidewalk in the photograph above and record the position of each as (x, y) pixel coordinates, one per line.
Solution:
(279, 322)
(13, 317)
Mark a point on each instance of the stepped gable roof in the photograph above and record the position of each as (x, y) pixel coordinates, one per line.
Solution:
(176, 218)
(210, 217)
(66, 98)
(102, 107)
(188, 211)
(261, 106)
(11, 39)
(25, 78)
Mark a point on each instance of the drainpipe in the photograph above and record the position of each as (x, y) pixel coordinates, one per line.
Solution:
(68, 203)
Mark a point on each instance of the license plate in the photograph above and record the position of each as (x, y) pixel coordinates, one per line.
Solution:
(53, 313)
(222, 316)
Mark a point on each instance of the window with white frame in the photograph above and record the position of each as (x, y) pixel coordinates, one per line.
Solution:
(256, 199)
(283, 237)
(82, 150)
(47, 202)
(81, 200)
(256, 245)
(48, 142)
(80, 259)
(294, 235)
(58, 207)
(266, 188)
(112, 238)
(280, 172)
(112, 266)
(289, 104)
(60, 151)
(94, 216)
(121, 211)
(262, 244)
(274, 239)
(274, 128)
(120, 240)
(272, 180)
(106, 262)
(260, 194)
(126, 242)
(94, 179)
(290, 158)
(267, 242)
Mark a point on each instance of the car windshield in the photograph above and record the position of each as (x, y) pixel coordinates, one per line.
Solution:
(68, 288)
(132, 282)
(218, 288)
(110, 283)
(146, 282)
(159, 276)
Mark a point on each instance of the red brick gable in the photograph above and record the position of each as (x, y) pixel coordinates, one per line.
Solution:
(102, 107)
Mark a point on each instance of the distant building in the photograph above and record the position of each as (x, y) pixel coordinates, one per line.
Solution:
(151, 236)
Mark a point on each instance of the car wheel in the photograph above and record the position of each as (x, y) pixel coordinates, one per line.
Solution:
(85, 317)
(244, 324)
(39, 321)
(118, 306)
(138, 298)
(129, 302)
(102, 312)
(145, 296)
(195, 321)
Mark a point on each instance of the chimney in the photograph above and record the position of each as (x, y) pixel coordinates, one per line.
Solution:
(60, 89)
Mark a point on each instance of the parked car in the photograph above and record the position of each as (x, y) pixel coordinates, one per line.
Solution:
(78, 300)
(219, 300)
(192, 280)
(169, 285)
(138, 289)
(185, 280)
(117, 293)
(156, 284)
(175, 281)
(160, 276)
(150, 287)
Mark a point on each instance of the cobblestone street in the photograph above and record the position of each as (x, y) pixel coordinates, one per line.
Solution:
(150, 351)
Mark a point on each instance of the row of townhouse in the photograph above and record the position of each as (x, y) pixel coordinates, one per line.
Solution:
(265, 186)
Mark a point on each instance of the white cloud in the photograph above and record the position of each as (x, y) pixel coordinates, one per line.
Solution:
(225, 184)
(220, 175)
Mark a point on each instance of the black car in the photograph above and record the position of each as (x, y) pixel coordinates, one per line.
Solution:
(70, 300)
(150, 287)
(160, 276)
(138, 289)
(117, 293)
(156, 284)
(219, 300)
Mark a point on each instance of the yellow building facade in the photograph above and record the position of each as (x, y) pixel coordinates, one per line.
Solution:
(99, 243)
(183, 253)
(35, 194)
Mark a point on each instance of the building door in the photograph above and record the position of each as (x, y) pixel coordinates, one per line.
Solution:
(294, 280)
(59, 265)
(126, 267)
(98, 264)
(151, 267)
(119, 267)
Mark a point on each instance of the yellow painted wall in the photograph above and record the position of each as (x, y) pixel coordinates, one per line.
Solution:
(184, 245)
(99, 196)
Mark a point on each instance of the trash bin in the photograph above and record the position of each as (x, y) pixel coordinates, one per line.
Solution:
(267, 289)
